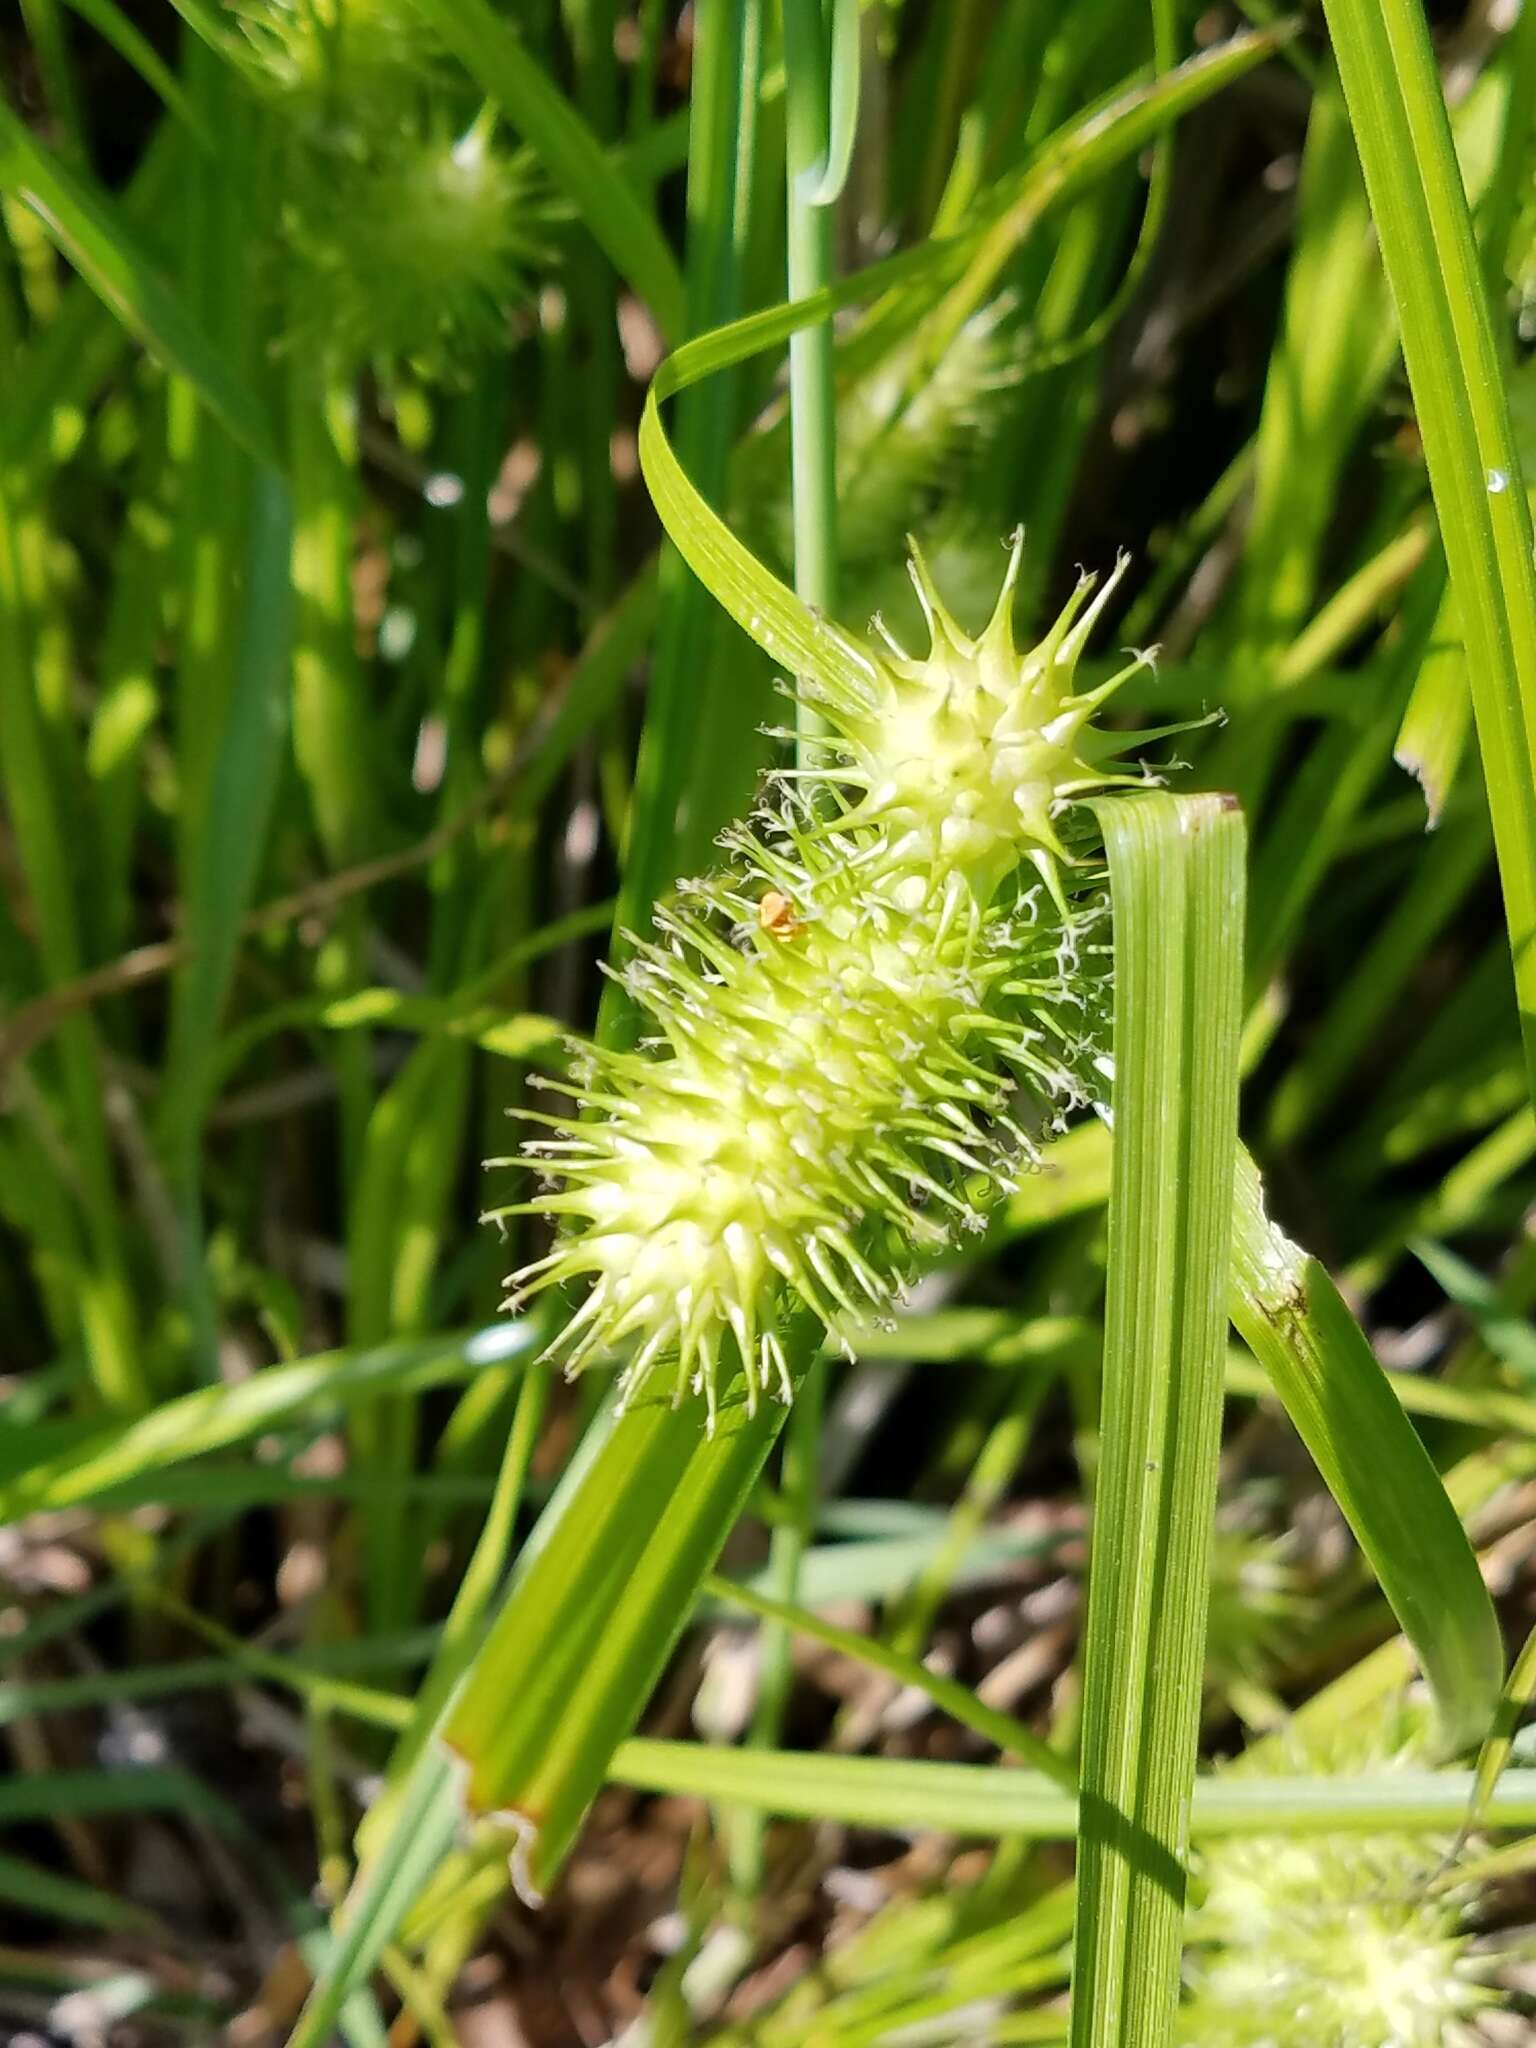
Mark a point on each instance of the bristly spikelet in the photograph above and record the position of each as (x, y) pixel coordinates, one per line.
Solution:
(843, 1019)
(1334, 1941)
(409, 235)
(415, 253)
(966, 757)
(324, 58)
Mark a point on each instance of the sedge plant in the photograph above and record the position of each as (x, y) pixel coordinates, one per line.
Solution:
(410, 263)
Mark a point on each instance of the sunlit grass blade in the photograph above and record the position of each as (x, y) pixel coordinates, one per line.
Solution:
(1398, 112)
(993, 1804)
(1176, 877)
(590, 1624)
(47, 1466)
(1009, 1734)
(601, 1592)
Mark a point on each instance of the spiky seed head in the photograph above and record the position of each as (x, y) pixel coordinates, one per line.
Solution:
(415, 253)
(337, 61)
(968, 755)
(858, 1027)
(1340, 1941)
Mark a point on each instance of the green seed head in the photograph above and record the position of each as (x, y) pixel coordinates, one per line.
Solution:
(860, 1024)
(414, 253)
(327, 58)
(1333, 1941)
(968, 756)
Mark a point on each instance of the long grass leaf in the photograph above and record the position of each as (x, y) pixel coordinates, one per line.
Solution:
(993, 1804)
(1176, 879)
(43, 1468)
(1397, 110)
(1295, 1322)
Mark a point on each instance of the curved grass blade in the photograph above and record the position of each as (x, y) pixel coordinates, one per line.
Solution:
(788, 631)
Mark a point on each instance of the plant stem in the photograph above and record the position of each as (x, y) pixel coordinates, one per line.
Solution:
(812, 406)
(809, 222)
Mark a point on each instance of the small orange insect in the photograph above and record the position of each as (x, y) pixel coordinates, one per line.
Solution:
(776, 914)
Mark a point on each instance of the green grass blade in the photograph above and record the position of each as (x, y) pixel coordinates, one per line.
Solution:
(1398, 113)
(332, 736)
(602, 1590)
(1009, 1734)
(45, 1467)
(492, 52)
(588, 1628)
(694, 763)
(1294, 1320)
(1433, 735)
(1349, 1415)
(428, 1820)
(1506, 1332)
(88, 228)
(251, 756)
(1498, 1744)
(993, 1804)
(34, 797)
(1176, 879)
(57, 1795)
(1336, 347)
(35, 1890)
(135, 48)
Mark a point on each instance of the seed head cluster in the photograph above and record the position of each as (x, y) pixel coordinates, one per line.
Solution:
(408, 230)
(1336, 1941)
(859, 1023)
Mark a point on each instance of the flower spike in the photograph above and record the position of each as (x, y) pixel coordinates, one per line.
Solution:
(858, 1029)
